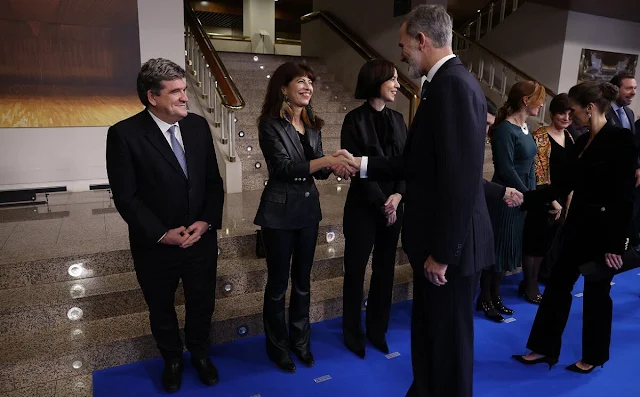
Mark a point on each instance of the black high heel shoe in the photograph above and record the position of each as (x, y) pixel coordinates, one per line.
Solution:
(574, 368)
(499, 305)
(546, 360)
(522, 292)
(490, 312)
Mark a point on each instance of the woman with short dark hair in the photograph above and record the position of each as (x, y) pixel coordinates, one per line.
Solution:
(553, 165)
(372, 212)
(289, 212)
(603, 185)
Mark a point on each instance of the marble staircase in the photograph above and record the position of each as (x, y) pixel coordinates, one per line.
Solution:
(70, 303)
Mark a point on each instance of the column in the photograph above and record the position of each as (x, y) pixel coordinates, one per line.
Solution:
(259, 23)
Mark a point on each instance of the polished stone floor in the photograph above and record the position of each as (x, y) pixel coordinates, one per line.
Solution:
(88, 222)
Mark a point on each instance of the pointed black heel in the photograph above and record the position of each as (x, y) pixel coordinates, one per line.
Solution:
(546, 360)
(574, 368)
(523, 293)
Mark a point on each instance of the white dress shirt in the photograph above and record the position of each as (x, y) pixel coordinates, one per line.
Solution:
(164, 127)
(615, 108)
(364, 162)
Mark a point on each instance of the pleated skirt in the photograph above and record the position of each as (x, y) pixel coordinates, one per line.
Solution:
(508, 228)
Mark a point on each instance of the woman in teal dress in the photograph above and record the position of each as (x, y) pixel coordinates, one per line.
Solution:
(513, 151)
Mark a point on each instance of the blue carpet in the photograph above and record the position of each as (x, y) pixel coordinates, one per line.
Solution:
(246, 372)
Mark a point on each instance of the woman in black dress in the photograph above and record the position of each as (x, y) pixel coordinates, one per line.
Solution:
(553, 164)
(595, 230)
(372, 212)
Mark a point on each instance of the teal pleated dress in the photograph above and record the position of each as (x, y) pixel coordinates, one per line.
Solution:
(513, 152)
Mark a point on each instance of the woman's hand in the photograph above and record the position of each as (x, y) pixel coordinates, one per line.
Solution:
(391, 218)
(613, 261)
(391, 205)
(556, 210)
(341, 166)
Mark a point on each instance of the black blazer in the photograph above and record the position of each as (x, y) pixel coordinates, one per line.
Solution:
(290, 200)
(603, 186)
(152, 193)
(359, 137)
(445, 208)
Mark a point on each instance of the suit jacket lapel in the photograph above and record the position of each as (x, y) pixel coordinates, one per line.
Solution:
(157, 139)
(291, 132)
(614, 117)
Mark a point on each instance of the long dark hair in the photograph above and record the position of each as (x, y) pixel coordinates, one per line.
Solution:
(519, 90)
(274, 97)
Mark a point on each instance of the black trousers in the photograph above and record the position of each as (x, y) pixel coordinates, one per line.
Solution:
(442, 336)
(634, 226)
(284, 249)
(367, 230)
(546, 334)
(159, 282)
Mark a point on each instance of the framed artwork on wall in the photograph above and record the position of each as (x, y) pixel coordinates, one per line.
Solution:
(601, 66)
(68, 63)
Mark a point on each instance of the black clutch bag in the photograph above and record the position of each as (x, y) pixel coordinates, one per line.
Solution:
(598, 270)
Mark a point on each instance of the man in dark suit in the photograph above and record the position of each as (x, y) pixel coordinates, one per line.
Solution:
(446, 230)
(166, 185)
(620, 114)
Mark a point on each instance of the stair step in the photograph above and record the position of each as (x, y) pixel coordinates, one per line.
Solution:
(50, 354)
(256, 179)
(329, 145)
(251, 131)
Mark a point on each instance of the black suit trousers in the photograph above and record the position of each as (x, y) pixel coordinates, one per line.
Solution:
(366, 229)
(284, 248)
(442, 335)
(546, 334)
(159, 282)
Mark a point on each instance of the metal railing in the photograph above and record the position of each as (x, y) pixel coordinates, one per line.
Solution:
(489, 17)
(407, 87)
(216, 86)
(493, 71)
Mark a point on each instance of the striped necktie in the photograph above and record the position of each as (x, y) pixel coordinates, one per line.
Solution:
(177, 150)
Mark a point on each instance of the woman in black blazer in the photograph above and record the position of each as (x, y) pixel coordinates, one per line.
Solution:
(289, 211)
(372, 212)
(595, 230)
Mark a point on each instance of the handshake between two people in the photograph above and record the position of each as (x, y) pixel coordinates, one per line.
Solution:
(343, 164)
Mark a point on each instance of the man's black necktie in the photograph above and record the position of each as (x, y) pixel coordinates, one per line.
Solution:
(423, 93)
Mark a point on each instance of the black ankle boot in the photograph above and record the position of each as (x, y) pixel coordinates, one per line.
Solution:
(490, 312)
(500, 307)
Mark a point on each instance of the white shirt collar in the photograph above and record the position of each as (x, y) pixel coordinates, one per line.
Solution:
(163, 125)
(615, 107)
(434, 69)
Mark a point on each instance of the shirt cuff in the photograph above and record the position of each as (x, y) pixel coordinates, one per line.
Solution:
(160, 239)
(364, 162)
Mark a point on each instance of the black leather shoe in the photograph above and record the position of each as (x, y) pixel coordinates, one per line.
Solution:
(357, 350)
(286, 364)
(172, 376)
(207, 372)
(379, 343)
(500, 307)
(490, 312)
(522, 292)
(305, 358)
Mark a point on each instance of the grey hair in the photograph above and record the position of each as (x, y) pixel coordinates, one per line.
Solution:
(153, 73)
(433, 21)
